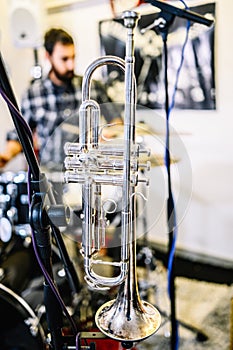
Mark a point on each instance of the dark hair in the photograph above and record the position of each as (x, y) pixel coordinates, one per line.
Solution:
(54, 36)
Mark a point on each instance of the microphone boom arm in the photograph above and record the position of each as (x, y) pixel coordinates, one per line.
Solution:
(183, 13)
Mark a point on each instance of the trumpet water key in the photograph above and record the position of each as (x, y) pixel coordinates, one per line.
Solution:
(94, 164)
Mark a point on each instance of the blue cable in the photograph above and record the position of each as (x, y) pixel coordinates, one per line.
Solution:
(173, 225)
(167, 124)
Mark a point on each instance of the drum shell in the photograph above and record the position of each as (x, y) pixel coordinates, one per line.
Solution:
(18, 264)
(15, 333)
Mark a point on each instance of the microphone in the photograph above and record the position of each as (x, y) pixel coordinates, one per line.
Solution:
(189, 15)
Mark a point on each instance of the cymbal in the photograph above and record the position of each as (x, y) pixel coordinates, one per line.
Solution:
(117, 130)
(112, 130)
(70, 128)
(141, 129)
(156, 160)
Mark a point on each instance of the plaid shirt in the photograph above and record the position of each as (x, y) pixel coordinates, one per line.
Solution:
(53, 112)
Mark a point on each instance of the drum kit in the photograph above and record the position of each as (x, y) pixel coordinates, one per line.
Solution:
(21, 281)
(24, 325)
(21, 294)
(19, 326)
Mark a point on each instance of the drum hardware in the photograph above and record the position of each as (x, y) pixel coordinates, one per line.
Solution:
(13, 205)
(5, 229)
(5, 223)
(15, 232)
(2, 273)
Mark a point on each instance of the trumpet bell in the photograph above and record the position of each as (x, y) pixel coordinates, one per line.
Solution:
(131, 321)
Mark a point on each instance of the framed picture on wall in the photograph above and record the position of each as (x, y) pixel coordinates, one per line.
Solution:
(196, 85)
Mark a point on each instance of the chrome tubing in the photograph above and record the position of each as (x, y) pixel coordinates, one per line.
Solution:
(126, 318)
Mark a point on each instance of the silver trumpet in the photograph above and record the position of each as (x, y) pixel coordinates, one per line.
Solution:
(92, 164)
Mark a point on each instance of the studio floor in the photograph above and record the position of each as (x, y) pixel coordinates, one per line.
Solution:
(203, 311)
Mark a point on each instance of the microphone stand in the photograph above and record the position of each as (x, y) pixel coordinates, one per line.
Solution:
(183, 13)
(44, 219)
(162, 25)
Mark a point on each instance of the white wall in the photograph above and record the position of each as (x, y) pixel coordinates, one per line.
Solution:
(202, 139)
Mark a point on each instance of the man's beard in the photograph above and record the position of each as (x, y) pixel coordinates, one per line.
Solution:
(66, 77)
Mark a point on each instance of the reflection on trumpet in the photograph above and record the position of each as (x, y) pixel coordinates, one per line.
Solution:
(94, 165)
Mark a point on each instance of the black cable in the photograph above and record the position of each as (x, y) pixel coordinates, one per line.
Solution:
(24, 137)
(35, 179)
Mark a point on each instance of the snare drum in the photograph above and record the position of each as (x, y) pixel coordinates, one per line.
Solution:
(20, 328)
